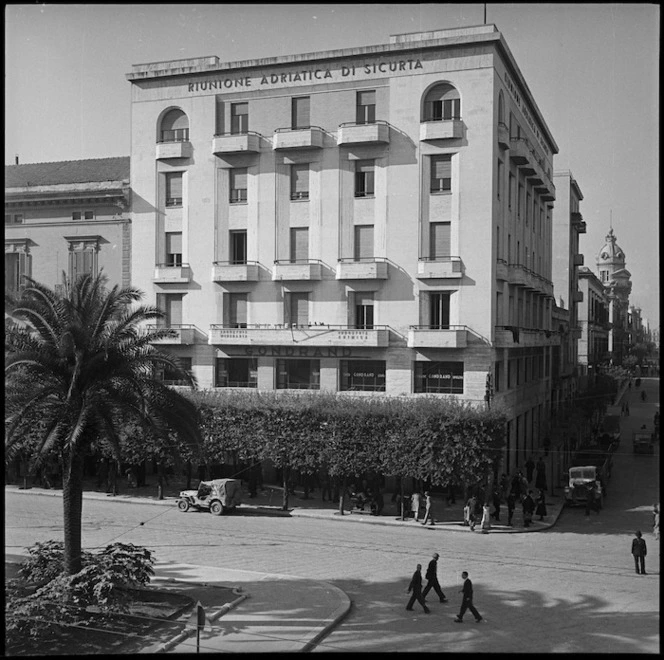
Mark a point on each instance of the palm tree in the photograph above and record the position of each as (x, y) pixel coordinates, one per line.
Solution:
(82, 363)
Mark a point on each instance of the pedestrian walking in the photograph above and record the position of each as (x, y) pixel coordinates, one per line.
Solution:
(432, 580)
(415, 506)
(540, 480)
(591, 498)
(428, 509)
(472, 516)
(530, 468)
(415, 587)
(528, 506)
(639, 551)
(655, 521)
(511, 505)
(644, 396)
(467, 600)
(626, 409)
(485, 523)
(496, 505)
(541, 504)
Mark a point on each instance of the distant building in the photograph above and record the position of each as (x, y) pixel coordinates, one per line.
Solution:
(594, 321)
(370, 220)
(616, 278)
(67, 217)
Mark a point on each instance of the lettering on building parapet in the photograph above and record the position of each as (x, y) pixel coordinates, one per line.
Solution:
(305, 75)
(298, 351)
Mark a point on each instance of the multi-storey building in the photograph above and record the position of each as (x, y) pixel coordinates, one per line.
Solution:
(67, 217)
(372, 220)
(594, 321)
(616, 279)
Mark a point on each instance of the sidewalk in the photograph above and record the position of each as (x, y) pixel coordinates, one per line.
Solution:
(274, 613)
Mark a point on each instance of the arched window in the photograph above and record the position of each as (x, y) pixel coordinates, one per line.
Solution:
(174, 127)
(442, 102)
(501, 108)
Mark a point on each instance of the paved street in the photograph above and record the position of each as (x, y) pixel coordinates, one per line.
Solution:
(568, 589)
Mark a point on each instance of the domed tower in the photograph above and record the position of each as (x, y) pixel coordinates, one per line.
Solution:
(616, 278)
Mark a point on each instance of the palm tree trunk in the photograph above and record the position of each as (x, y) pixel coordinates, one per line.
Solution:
(72, 501)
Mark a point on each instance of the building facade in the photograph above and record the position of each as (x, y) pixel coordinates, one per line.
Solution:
(369, 220)
(594, 321)
(70, 218)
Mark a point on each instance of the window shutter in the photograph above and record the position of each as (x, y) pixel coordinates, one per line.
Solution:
(238, 309)
(300, 112)
(299, 244)
(173, 310)
(442, 167)
(300, 181)
(173, 243)
(174, 185)
(440, 244)
(239, 178)
(299, 312)
(364, 242)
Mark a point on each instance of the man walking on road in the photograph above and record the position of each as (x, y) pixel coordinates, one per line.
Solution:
(432, 580)
(415, 587)
(639, 550)
(467, 602)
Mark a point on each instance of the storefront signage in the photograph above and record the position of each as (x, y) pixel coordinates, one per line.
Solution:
(305, 75)
(299, 351)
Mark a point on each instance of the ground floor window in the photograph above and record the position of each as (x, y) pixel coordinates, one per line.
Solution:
(298, 374)
(439, 377)
(362, 375)
(169, 377)
(236, 372)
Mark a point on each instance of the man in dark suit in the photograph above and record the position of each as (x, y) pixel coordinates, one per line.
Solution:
(467, 602)
(432, 579)
(639, 550)
(415, 587)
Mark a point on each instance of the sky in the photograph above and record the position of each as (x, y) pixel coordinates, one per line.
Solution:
(593, 70)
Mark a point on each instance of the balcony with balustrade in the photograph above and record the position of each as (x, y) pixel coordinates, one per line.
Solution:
(180, 334)
(235, 143)
(315, 335)
(229, 271)
(169, 273)
(507, 336)
(174, 144)
(297, 269)
(310, 137)
(427, 336)
(503, 136)
(441, 129)
(371, 268)
(377, 132)
(520, 153)
(440, 268)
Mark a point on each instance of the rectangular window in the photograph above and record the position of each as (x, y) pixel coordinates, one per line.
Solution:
(364, 311)
(444, 109)
(169, 377)
(298, 374)
(439, 310)
(519, 202)
(174, 248)
(364, 178)
(510, 192)
(439, 377)
(498, 377)
(173, 189)
(364, 243)
(171, 305)
(13, 218)
(366, 107)
(82, 215)
(236, 372)
(15, 268)
(500, 179)
(297, 313)
(299, 247)
(238, 246)
(439, 240)
(237, 310)
(362, 375)
(239, 118)
(238, 184)
(300, 112)
(528, 207)
(299, 181)
(441, 173)
(82, 262)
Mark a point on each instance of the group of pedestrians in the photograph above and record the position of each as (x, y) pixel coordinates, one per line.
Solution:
(418, 594)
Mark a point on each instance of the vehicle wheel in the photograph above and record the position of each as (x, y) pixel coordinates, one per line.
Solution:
(216, 508)
(183, 505)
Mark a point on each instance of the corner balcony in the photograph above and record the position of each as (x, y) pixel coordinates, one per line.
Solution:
(577, 296)
(440, 268)
(173, 149)
(520, 153)
(297, 337)
(183, 335)
(236, 143)
(362, 269)
(167, 273)
(441, 129)
(503, 136)
(227, 271)
(578, 260)
(507, 336)
(425, 336)
(377, 132)
(502, 270)
(298, 269)
(310, 137)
